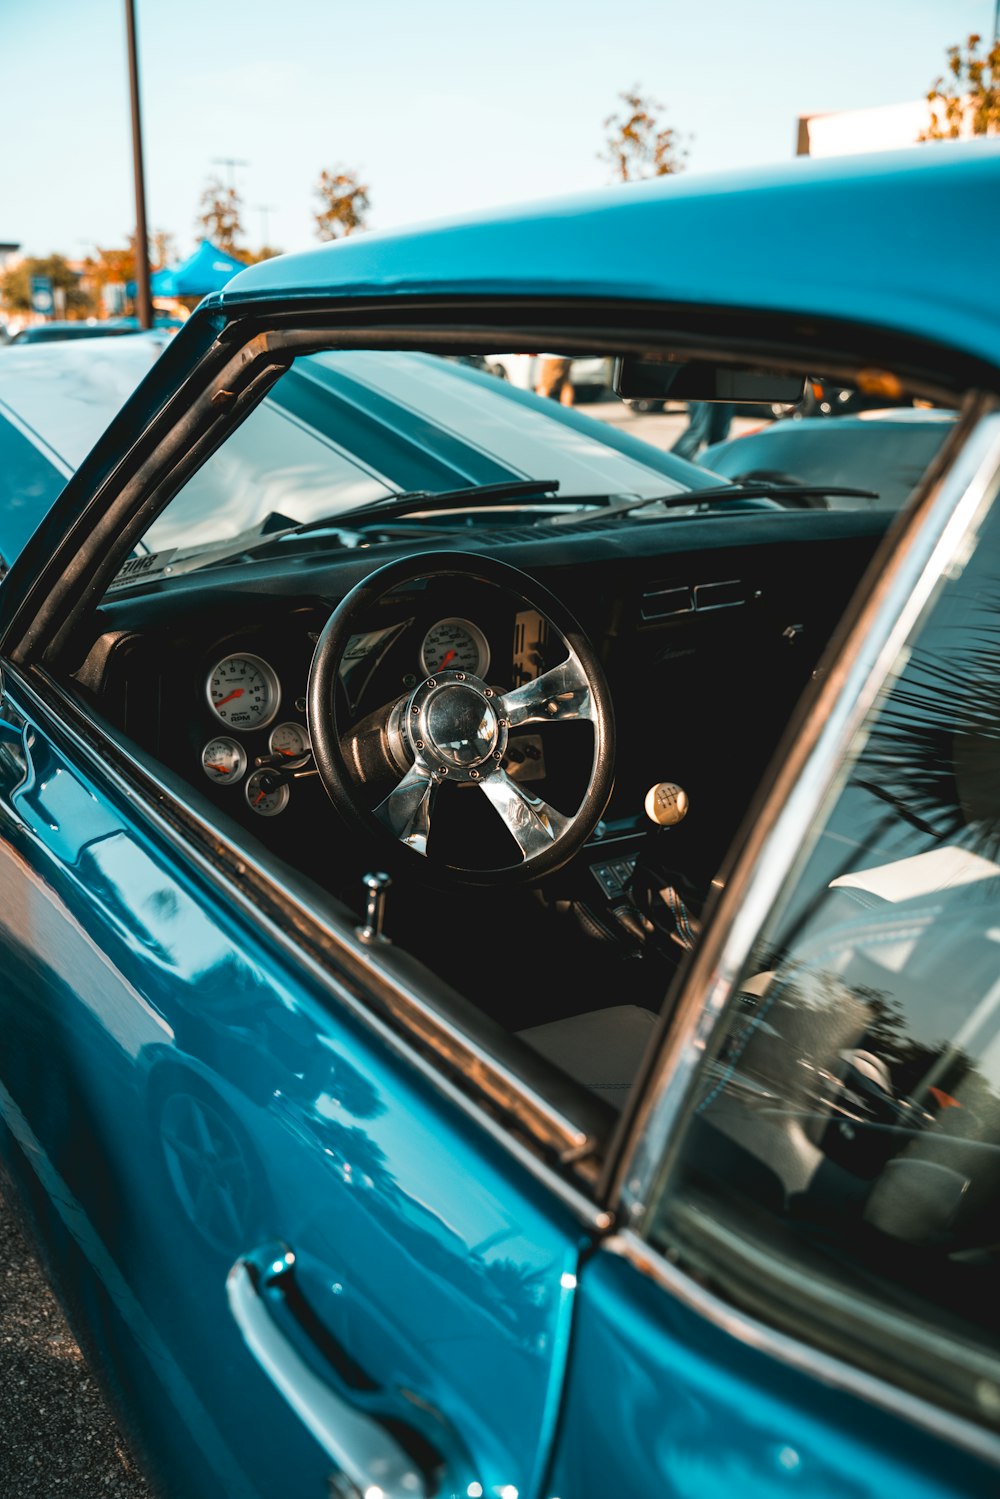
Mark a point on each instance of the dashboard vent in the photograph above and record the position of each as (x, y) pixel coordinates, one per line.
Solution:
(661, 603)
(697, 598)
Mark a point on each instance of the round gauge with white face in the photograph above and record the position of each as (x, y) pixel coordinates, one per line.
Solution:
(223, 760)
(243, 691)
(455, 645)
(291, 742)
(263, 796)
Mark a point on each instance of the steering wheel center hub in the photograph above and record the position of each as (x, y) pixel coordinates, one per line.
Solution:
(454, 726)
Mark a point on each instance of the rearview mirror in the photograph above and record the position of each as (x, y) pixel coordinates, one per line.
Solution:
(645, 377)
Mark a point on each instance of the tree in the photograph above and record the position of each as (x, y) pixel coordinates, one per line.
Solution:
(162, 249)
(221, 216)
(15, 284)
(968, 101)
(344, 203)
(266, 252)
(638, 145)
(111, 267)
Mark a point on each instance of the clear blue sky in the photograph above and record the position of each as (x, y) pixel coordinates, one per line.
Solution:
(440, 105)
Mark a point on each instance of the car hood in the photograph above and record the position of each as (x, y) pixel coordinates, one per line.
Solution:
(56, 399)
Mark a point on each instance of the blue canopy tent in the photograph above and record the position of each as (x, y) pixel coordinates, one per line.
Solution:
(207, 270)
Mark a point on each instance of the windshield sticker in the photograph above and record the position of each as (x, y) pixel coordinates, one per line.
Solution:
(137, 567)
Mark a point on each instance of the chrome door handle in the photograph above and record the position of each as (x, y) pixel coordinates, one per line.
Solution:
(365, 1454)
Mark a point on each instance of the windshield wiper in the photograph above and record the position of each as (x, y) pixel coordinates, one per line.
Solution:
(414, 501)
(758, 490)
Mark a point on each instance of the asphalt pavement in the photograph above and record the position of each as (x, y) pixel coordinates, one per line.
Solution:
(57, 1437)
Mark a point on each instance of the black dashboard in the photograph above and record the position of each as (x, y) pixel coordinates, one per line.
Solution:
(708, 630)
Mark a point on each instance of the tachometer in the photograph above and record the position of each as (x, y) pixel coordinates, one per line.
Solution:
(243, 691)
(455, 645)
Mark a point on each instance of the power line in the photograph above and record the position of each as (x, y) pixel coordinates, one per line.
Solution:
(232, 162)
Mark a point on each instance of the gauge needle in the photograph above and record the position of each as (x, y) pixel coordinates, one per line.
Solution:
(222, 769)
(258, 799)
(447, 657)
(236, 692)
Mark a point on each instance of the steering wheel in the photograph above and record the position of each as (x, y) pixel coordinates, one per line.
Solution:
(453, 728)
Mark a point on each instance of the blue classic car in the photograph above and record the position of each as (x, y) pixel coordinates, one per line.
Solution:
(501, 928)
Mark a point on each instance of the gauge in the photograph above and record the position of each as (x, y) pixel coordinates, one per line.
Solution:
(243, 691)
(223, 760)
(455, 645)
(265, 797)
(291, 742)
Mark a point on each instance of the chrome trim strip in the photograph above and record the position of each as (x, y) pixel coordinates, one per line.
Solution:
(803, 1357)
(533, 1114)
(931, 540)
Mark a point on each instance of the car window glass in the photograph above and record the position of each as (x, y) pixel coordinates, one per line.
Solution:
(346, 427)
(839, 1164)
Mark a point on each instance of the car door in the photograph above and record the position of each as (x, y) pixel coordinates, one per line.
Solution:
(308, 1229)
(800, 1298)
(186, 1095)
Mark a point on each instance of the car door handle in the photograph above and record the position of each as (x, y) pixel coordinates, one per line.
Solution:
(365, 1453)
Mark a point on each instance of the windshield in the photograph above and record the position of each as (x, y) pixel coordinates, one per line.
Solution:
(344, 429)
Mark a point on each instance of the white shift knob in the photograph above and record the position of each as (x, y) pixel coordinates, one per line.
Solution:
(666, 804)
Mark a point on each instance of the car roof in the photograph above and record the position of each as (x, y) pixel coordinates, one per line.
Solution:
(65, 392)
(903, 240)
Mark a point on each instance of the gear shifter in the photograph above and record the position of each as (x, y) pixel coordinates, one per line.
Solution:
(666, 804)
(666, 901)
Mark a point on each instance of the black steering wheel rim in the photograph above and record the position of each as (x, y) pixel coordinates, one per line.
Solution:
(586, 682)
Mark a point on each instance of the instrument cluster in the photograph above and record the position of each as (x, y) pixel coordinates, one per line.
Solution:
(243, 693)
(244, 696)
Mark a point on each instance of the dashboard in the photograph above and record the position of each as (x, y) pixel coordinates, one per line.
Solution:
(707, 643)
(247, 694)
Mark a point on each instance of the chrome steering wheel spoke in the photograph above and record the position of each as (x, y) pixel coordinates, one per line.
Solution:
(452, 730)
(561, 693)
(406, 811)
(533, 824)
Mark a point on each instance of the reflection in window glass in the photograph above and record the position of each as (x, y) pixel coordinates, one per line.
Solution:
(840, 1166)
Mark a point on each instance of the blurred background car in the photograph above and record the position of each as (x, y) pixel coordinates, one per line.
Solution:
(567, 378)
(38, 333)
(885, 450)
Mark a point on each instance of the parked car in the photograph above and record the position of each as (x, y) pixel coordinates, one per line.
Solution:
(586, 378)
(55, 330)
(499, 928)
(886, 450)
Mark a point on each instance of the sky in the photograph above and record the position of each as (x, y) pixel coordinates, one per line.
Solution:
(439, 106)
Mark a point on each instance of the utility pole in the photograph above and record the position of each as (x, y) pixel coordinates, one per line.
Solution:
(232, 162)
(143, 299)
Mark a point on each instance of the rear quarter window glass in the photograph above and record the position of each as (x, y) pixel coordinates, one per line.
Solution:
(839, 1169)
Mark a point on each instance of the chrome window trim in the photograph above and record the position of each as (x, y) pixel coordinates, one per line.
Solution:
(928, 540)
(803, 1357)
(533, 1115)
